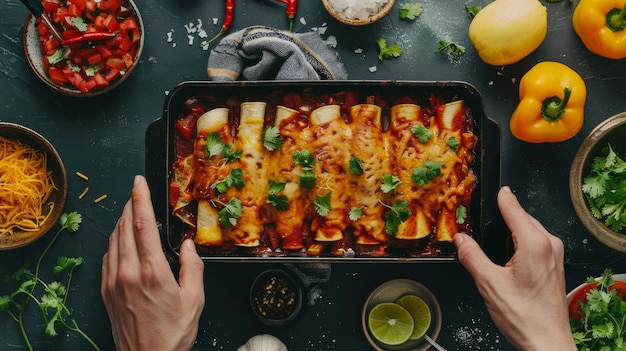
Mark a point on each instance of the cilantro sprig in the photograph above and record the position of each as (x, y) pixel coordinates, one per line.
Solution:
(53, 301)
(281, 202)
(272, 140)
(215, 145)
(387, 51)
(451, 49)
(604, 188)
(398, 213)
(410, 11)
(234, 178)
(604, 323)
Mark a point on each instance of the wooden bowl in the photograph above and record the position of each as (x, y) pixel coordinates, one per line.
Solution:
(612, 130)
(358, 21)
(26, 136)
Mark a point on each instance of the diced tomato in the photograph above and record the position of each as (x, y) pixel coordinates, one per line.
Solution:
(111, 23)
(86, 85)
(42, 29)
(91, 5)
(115, 62)
(129, 24)
(128, 60)
(109, 5)
(104, 51)
(51, 44)
(51, 5)
(94, 59)
(71, 33)
(112, 74)
(100, 80)
(57, 76)
(174, 193)
(136, 36)
(75, 11)
(185, 126)
(98, 22)
(80, 4)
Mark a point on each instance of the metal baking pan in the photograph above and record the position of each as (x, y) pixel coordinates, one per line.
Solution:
(487, 228)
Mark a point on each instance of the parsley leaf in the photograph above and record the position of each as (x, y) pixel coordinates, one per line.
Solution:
(305, 159)
(92, 70)
(410, 11)
(355, 166)
(308, 180)
(461, 214)
(387, 51)
(450, 48)
(398, 213)
(214, 144)
(355, 213)
(272, 140)
(279, 201)
(234, 178)
(231, 212)
(453, 143)
(230, 154)
(604, 188)
(389, 183)
(56, 57)
(430, 171)
(421, 132)
(79, 23)
(322, 204)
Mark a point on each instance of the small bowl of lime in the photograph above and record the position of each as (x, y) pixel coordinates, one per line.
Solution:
(398, 314)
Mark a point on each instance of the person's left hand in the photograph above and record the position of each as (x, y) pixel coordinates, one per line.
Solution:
(148, 308)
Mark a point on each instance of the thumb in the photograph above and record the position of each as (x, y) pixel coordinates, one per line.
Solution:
(471, 256)
(191, 269)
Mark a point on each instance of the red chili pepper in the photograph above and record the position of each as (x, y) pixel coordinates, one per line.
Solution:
(229, 13)
(91, 36)
(291, 12)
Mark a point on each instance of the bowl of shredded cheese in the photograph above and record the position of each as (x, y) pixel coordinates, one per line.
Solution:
(33, 186)
(358, 12)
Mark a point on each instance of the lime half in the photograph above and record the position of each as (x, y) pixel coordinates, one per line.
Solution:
(390, 323)
(419, 311)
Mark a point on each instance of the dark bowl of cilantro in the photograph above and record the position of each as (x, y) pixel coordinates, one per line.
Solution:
(597, 179)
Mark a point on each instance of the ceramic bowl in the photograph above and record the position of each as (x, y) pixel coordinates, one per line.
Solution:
(29, 137)
(276, 298)
(35, 57)
(357, 21)
(612, 131)
(390, 292)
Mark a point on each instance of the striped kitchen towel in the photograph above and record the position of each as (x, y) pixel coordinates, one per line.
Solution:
(263, 53)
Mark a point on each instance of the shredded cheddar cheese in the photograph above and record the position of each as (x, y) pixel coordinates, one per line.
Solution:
(25, 186)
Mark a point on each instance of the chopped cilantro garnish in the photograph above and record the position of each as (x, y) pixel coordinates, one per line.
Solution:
(453, 143)
(430, 171)
(398, 213)
(421, 132)
(92, 70)
(308, 180)
(389, 183)
(272, 139)
(230, 213)
(214, 144)
(230, 154)
(604, 188)
(410, 11)
(322, 204)
(450, 48)
(305, 159)
(356, 167)
(56, 57)
(355, 213)
(79, 23)
(234, 178)
(472, 10)
(461, 214)
(387, 51)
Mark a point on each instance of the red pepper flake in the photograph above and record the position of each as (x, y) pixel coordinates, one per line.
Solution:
(275, 298)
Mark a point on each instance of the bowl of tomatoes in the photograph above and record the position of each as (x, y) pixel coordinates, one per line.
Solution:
(100, 45)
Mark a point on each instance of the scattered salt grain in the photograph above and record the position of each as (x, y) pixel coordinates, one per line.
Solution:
(358, 51)
(373, 69)
(215, 19)
(303, 21)
(358, 9)
(331, 41)
(190, 40)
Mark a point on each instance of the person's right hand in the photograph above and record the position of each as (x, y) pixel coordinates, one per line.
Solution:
(148, 308)
(525, 298)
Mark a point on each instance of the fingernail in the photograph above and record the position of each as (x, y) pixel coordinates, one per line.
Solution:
(506, 188)
(137, 180)
(190, 245)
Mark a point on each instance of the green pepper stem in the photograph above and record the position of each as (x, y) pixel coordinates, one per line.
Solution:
(615, 19)
(553, 108)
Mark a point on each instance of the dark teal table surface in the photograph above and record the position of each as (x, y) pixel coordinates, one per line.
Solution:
(103, 137)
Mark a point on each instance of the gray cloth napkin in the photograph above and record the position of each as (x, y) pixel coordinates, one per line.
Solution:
(263, 53)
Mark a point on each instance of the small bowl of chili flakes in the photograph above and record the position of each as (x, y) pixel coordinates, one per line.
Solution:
(103, 41)
(276, 298)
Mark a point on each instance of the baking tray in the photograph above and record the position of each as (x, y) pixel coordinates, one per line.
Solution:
(488, 228)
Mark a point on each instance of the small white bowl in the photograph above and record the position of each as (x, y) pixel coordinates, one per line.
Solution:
(390, 292)
(359, 21)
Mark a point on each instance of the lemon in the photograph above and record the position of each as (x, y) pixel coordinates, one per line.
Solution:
(506, 31)
(419, 311)
(390, 323)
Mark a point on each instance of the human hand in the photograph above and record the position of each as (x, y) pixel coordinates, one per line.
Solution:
(148, 308)
(525, 298)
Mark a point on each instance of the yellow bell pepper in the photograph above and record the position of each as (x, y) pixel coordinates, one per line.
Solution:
(600, 25)
(552, 103)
